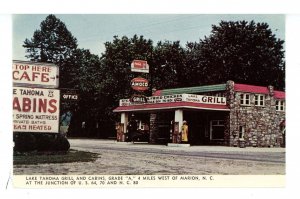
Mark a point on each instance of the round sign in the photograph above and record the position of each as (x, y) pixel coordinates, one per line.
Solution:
(139, 84)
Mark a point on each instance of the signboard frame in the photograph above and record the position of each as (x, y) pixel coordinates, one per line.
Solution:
(140, 66)
(204, 99)
(31, 120)
(139, 80)
(30, 74)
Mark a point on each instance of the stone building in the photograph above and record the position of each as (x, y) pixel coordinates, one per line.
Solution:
(228, 114)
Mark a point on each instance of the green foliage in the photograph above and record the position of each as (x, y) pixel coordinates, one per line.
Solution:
(26, 142)
(244, 52)
(169, 64)
(52, 43)
(44, 142)
(60, 143)
(31, 158)
(115, 71)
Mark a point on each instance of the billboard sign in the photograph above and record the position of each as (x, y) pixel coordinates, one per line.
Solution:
(140, 66)
(202, 99)
(139, 84)
(36, 110)
(35, 74)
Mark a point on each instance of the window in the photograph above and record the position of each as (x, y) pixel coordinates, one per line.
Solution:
(259, 100)
(245, 99)
(241, 132)
(217, 130)
(280, 105)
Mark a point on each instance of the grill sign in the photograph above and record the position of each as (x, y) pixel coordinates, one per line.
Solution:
(139, 84)
(138, 99)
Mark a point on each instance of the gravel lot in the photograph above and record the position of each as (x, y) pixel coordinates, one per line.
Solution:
(114, 160)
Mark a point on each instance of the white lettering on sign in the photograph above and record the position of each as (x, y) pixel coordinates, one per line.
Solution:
(205, 99)
(179, 98)
(144, 84)
(35, 74)
(35, 110)
(140, 66)
(71, 97)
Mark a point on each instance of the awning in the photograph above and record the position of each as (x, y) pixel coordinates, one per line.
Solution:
(172, 105)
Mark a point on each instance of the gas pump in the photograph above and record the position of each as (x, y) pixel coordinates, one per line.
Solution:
(176, 138)
(120, 132)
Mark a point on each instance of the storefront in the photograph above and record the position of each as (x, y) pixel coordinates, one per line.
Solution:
(223, 114)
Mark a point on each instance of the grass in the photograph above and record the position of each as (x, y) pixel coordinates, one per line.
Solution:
(54, 157)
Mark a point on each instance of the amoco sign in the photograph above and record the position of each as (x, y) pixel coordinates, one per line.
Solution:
(139, 84)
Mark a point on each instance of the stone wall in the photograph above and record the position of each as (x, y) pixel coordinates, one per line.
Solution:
(261, 123)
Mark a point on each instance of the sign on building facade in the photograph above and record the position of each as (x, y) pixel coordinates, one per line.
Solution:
(178, 98)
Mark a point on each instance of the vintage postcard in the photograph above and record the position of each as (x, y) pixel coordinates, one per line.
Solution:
(149, 100)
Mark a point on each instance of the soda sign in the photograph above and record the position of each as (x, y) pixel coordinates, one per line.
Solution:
(35, 74)
(139, 84)
(140, 66)
(35, 110)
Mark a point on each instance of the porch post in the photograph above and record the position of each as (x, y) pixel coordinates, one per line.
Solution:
(179, 119)
(124, 120)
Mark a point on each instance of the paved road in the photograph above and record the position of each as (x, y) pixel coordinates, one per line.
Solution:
(144, 159)
(268, 155)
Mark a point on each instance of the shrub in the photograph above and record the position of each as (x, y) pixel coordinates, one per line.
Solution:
(24, 142)
(61, 143)
(45, 142)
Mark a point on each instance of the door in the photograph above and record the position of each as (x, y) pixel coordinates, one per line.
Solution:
(217, 129)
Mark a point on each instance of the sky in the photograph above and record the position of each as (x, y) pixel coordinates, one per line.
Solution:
(93, 30)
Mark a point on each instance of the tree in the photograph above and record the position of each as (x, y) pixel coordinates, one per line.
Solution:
(115, 71)
(242, 51)
(54, 43)
(86, 82)
(79, 69)
(169, 64)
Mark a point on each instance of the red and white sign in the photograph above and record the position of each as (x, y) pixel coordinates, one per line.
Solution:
(35, 110)
(140, 66)
(32, 74)
(202, 99)
(139, 84)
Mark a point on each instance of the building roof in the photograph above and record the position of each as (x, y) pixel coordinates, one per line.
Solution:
(172, 105)
(251, 88)
(191, 90)
(258, 89)
(279, 94)
(219, 87)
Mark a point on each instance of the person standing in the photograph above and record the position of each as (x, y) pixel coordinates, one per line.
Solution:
(184, 132)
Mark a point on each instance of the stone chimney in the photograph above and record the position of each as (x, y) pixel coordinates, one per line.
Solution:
(271, 90)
